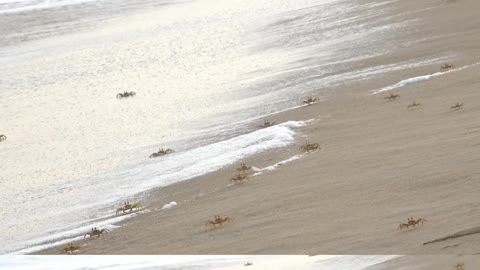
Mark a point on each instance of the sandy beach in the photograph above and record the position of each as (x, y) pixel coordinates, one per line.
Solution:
(379, 164)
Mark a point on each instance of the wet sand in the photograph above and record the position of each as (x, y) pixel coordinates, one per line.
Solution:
(430, 262)
(379, 163)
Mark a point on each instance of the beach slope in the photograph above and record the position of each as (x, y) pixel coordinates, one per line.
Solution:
(379, 164)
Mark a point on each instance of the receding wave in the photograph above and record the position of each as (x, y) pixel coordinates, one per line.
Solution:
(197, 262)
(417, 79)
(153, 173)
(74, 234)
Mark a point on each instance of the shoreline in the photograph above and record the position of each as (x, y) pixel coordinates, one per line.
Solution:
(217, 183)
(429, 262)
(198, 262)
(379, 164)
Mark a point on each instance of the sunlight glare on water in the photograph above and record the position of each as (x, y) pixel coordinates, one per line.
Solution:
(198, 68)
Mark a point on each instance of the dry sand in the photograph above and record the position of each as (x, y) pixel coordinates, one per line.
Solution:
(379, 164)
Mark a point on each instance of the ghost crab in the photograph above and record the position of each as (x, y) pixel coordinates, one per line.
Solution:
(457, 106)
(243, 167)
(70, 249)
(126, 94)
(411, 222)
(239, 178)
(447, 66)
(267, 123)
(96, 232)
(459, 266)
(161, 152)
(392, 97)
(310, 147)
(127, 206)
(310, 100)
(3, 137)
(414, 105)
(218, 220)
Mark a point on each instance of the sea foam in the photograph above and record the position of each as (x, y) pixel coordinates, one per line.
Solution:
(417, 79)
(11, 7)
(74, 234)
(159, 172)
(169, 205)
(190, 262)
(259, 171)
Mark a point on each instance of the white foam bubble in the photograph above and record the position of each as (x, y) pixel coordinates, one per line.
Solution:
(169, 205)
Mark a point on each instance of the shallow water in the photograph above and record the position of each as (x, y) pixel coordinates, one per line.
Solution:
(186, 262)
(205, 74)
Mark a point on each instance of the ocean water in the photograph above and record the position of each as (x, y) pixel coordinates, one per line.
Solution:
(120, 262)
(206, 73)
(186, 262)
(19, 6)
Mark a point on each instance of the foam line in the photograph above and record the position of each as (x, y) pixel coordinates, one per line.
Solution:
(179, 166)
(274, 166)
(73, 235)
(417, 79)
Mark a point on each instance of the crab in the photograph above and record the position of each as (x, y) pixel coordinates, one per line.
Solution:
(457, 106)
(392, 97)
(96, 232)
(459, 266)
(238, 178)
(162, 152)
(310, 147)
(411, 222)
(447, 66)
(267, 123)
(420, 221)
(413, 105)
(310, 100)
(218, 221)
(243, 167)
(3, 137)
(126, 94)
(403, 225)
(248, 264)
(128, 206)
(70, 249)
